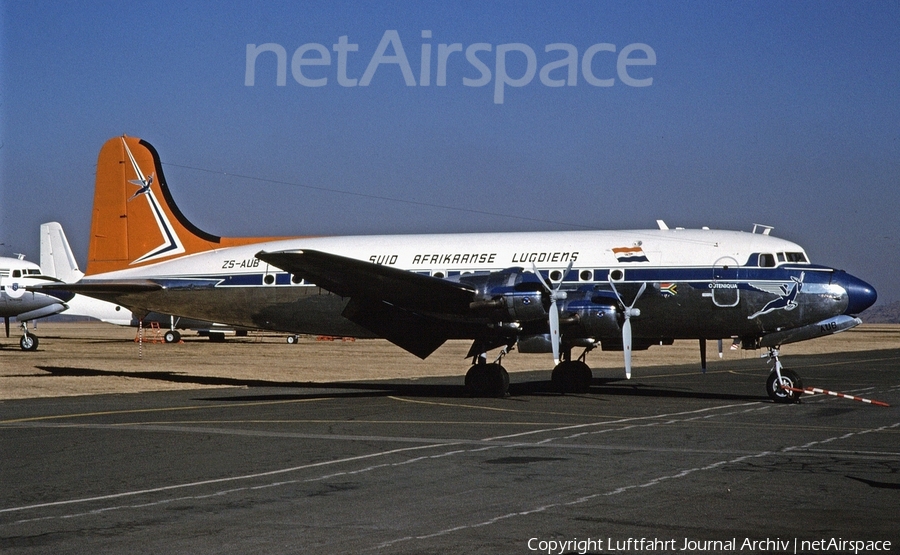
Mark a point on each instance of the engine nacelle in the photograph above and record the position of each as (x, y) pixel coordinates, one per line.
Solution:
(539, 343)
(509, 295)
(593, 317)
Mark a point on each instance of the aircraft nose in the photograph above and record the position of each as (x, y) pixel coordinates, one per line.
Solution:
(860, 295)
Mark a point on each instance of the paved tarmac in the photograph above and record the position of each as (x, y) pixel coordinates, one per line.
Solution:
(416, 466)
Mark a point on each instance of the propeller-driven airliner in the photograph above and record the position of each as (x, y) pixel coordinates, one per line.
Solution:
(554, 292)
(17, 275)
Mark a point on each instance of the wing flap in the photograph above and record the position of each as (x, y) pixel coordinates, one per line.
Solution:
(411, 332)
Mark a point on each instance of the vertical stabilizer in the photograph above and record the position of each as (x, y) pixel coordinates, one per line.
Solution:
(135, 220)
(57, 259)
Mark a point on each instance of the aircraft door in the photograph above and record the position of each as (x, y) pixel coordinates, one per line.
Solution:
(724, 285)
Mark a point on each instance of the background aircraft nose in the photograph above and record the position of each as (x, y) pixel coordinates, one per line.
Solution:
(860, 295)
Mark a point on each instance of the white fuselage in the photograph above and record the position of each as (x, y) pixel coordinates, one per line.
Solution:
(448, 254)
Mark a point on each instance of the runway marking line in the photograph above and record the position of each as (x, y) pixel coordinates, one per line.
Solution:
(427, 457)
(619, 421)
(218, 480)
(338, 421)
(479, 407)
(161, 409)
(655, 481)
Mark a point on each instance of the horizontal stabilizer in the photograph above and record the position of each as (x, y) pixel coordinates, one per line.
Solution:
(102, 287)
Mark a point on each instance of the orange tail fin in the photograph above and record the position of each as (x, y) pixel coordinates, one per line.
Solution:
(135, 219)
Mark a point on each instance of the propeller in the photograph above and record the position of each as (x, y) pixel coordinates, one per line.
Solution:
(555, 295)
(629, 311)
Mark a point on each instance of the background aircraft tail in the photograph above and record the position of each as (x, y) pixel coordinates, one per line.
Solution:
(135, 219)
(57, 259)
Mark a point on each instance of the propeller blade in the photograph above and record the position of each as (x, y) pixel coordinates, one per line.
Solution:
(541, 278)
(626, 346)
(639, 293)
(553, 316)
(628, 311)
(554, 330)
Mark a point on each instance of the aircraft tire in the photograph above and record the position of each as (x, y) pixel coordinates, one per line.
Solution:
(292, 339)
(28, 342)
(788, 378)
(487, 380)
(572, 376)
(172, 336)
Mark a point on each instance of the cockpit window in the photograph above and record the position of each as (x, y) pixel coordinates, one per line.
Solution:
(767, 260)
(781, 257)
(796, 257)
(17, 273)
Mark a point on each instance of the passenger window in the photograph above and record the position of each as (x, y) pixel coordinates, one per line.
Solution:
(766, 261)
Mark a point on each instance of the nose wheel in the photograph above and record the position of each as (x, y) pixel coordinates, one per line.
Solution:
(781, 378)
(28, 341)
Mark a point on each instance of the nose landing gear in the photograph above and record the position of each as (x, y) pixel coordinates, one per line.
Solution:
(781, 378)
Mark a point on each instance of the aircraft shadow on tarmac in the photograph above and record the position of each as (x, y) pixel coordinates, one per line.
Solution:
(429, 387)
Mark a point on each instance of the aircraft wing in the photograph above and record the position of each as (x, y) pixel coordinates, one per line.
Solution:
(358, 279)
(410, 310)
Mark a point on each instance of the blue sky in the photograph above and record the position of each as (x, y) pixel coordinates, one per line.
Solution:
(784, 114)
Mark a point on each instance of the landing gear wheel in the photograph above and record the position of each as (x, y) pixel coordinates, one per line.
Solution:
(28, 342)
(789, 378)
(292, 339)
(572, 376)
(487, 380)
(172, 336)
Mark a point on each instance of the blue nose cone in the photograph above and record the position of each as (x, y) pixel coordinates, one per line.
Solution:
(860, 295)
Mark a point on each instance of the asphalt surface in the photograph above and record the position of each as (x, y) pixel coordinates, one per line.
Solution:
(416, 466)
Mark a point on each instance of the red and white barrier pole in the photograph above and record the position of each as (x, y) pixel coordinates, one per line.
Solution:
(836, 394)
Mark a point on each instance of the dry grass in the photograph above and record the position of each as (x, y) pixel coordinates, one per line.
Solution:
(93, 358)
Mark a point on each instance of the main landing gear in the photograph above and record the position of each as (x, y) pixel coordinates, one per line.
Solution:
(492, 380)
(487, 380)
(572, 376)
(781, 378)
